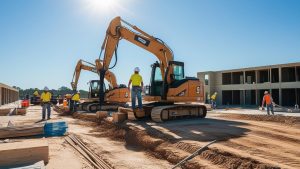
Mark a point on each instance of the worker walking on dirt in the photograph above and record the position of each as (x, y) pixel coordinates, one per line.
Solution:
(45, 101)
(269, 102)
(136, 91)
(74, 101)
(213, 100)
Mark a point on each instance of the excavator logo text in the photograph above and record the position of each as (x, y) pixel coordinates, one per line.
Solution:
(142, 40)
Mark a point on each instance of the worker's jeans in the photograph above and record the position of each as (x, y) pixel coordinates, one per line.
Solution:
(213, 104)
(270, 106)
(136, 92)
(46, 106)
(73, 106)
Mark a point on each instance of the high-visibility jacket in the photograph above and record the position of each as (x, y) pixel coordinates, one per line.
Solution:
(213, 97)
(36, 93)
(76, 97)
(46, 97)
(136, 79)
(268, 99)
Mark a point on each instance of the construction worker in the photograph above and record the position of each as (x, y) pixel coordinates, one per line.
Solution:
(45, 101)
(36, 94)
(74, 101)
(136, 91)
(213, 100)
(269, 102)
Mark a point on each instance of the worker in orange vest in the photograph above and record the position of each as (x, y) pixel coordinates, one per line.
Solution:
(269, 102)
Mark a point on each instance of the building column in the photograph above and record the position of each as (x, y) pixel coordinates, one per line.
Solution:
(280, 89)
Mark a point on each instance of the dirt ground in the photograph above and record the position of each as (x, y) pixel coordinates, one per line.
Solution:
(243, 141)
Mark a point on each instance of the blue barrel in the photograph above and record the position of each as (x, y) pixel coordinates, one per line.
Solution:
(55, 128)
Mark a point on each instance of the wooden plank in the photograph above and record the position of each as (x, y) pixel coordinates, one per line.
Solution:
(24, 152)
(20, 131)
(4, 112)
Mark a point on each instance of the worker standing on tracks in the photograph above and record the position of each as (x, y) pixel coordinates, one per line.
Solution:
(45, 101)
(74, 101)
(269, 102)
(213, 100)
(136, 91)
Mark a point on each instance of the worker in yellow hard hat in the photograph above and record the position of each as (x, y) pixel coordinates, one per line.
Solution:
(36, 94)
(74, 102)
(213, 99)
(45, 101)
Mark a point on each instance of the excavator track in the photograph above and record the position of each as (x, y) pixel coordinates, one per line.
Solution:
(177, 111)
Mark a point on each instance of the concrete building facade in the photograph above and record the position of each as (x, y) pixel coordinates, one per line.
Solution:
(246, 86)
(8, 94)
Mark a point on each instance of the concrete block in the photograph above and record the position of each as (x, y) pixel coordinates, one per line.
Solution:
(119, 117)
(101, 114)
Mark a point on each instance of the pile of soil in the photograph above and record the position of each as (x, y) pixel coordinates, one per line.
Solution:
(289, 120)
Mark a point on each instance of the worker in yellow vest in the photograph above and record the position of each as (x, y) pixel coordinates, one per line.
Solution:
(45, 101)
(137, 86)
(36, 94)
(74, 102)
(213, 99)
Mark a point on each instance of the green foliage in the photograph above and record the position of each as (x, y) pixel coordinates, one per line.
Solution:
(60, 91)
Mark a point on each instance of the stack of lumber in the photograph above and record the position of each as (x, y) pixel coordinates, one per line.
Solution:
(4, 112)
(89, 155)
(21, 111)
(24, 152)
(20, 131)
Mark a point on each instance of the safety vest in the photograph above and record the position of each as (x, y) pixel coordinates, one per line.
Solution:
(46, 97)
(213, 97)
(268, 99)
(76, 97)
(36, 93)
(136, 79)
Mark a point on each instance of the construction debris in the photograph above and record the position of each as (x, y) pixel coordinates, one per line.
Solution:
(4, 112)
(24, 152)
(21, 131)
(95, 160)
(101, 114)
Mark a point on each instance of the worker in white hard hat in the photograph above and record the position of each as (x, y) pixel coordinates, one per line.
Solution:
(269, 102)
(74, 102)
(45, 101)
(136, 91)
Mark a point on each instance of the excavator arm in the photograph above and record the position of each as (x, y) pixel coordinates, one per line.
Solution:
(117, 31)
(84, 65)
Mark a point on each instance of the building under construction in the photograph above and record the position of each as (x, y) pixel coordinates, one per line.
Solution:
(8, 94)
(246, 86)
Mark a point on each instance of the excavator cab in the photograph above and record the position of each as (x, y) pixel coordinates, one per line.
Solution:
(94, 88)
(157, 87)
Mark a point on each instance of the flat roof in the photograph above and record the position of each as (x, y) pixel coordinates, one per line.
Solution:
(257, 67)
(8, 87)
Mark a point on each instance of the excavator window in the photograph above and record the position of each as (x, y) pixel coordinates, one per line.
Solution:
(158, 76)
(178, 72)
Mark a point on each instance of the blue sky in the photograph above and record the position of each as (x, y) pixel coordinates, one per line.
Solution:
(41, 40)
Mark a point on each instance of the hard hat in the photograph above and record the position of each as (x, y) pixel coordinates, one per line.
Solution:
(137, 69)
(78, 92)
(46, 88)
(266, 92)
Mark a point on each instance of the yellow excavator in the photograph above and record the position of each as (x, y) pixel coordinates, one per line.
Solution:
(115, 95)
(170, 94)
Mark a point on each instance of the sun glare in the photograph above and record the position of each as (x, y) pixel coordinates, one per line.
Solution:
(101, 5)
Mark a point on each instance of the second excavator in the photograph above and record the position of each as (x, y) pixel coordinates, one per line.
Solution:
(115, 95)
(171, 94)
